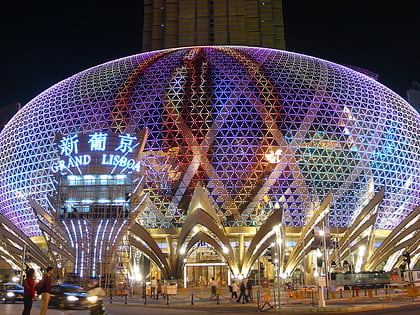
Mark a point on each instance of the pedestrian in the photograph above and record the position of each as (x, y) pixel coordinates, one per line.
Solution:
(158, 289)
(242, 292)
(235, 290)
(28, 291)
(213, 284)
(45, 290)
(249, 290)
(153, 285)
(96, 295)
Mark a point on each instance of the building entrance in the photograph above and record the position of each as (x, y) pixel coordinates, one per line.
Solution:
(203, 264)
(201, 274)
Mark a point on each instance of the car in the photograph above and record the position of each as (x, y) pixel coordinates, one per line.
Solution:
(68, 296)
(11, 292)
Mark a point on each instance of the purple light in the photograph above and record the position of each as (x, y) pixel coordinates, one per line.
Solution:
(213, 113)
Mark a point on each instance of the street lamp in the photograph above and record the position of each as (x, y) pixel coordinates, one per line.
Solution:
(278, 260)
(323, 233)
(322, 237)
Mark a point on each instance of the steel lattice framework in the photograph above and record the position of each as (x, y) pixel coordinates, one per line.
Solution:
(258, 128)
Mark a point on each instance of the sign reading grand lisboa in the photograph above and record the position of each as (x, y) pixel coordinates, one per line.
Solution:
(107, 149)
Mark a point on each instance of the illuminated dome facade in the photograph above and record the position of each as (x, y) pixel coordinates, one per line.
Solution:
(258, 128)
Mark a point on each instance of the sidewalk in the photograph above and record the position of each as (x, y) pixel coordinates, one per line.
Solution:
(204, 303)
(251, 308)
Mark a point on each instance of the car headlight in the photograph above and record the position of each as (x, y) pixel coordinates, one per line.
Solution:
(10, 294)
(72, 298)
(92, 298)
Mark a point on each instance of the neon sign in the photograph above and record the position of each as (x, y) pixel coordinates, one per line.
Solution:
(106, 149)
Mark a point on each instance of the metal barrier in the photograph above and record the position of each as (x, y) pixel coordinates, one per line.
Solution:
(412, 292)
(270, 296)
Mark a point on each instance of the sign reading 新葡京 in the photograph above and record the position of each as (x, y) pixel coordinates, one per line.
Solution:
(97, 148)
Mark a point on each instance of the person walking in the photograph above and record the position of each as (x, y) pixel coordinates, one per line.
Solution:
(153, 284)
(242, 290)
(249, 284)
(96, 294)
(159, 289)
(28, 291)
(213, 285)
(45, 289)
(235, 290)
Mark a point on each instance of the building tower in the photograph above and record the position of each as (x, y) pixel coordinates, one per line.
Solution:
(178, 23)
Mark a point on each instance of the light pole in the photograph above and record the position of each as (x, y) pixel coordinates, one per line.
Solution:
(323, 281)
(323, 234)
(23, 265)
(278, 260)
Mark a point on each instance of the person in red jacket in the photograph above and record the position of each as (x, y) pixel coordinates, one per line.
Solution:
(28, 291)
(46, 290)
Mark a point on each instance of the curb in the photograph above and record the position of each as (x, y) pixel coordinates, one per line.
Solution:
(283, 309)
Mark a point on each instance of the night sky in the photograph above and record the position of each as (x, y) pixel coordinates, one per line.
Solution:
(46, 42)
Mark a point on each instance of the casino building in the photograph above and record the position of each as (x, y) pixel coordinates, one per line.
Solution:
(222, 161)
(205, 161)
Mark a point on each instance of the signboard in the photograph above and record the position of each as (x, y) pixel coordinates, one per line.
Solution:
(170, 289)
(107, 149)
(322, 281)
(264, 282)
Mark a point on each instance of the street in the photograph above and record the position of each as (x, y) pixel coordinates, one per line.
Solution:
(15, 309)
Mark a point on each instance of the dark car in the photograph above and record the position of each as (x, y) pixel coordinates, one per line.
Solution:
(68, 296)
(11, 292)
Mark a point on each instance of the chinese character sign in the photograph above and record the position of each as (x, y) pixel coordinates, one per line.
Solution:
(126, 143)
(68, 145)
(97, 141)
(107, 149)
